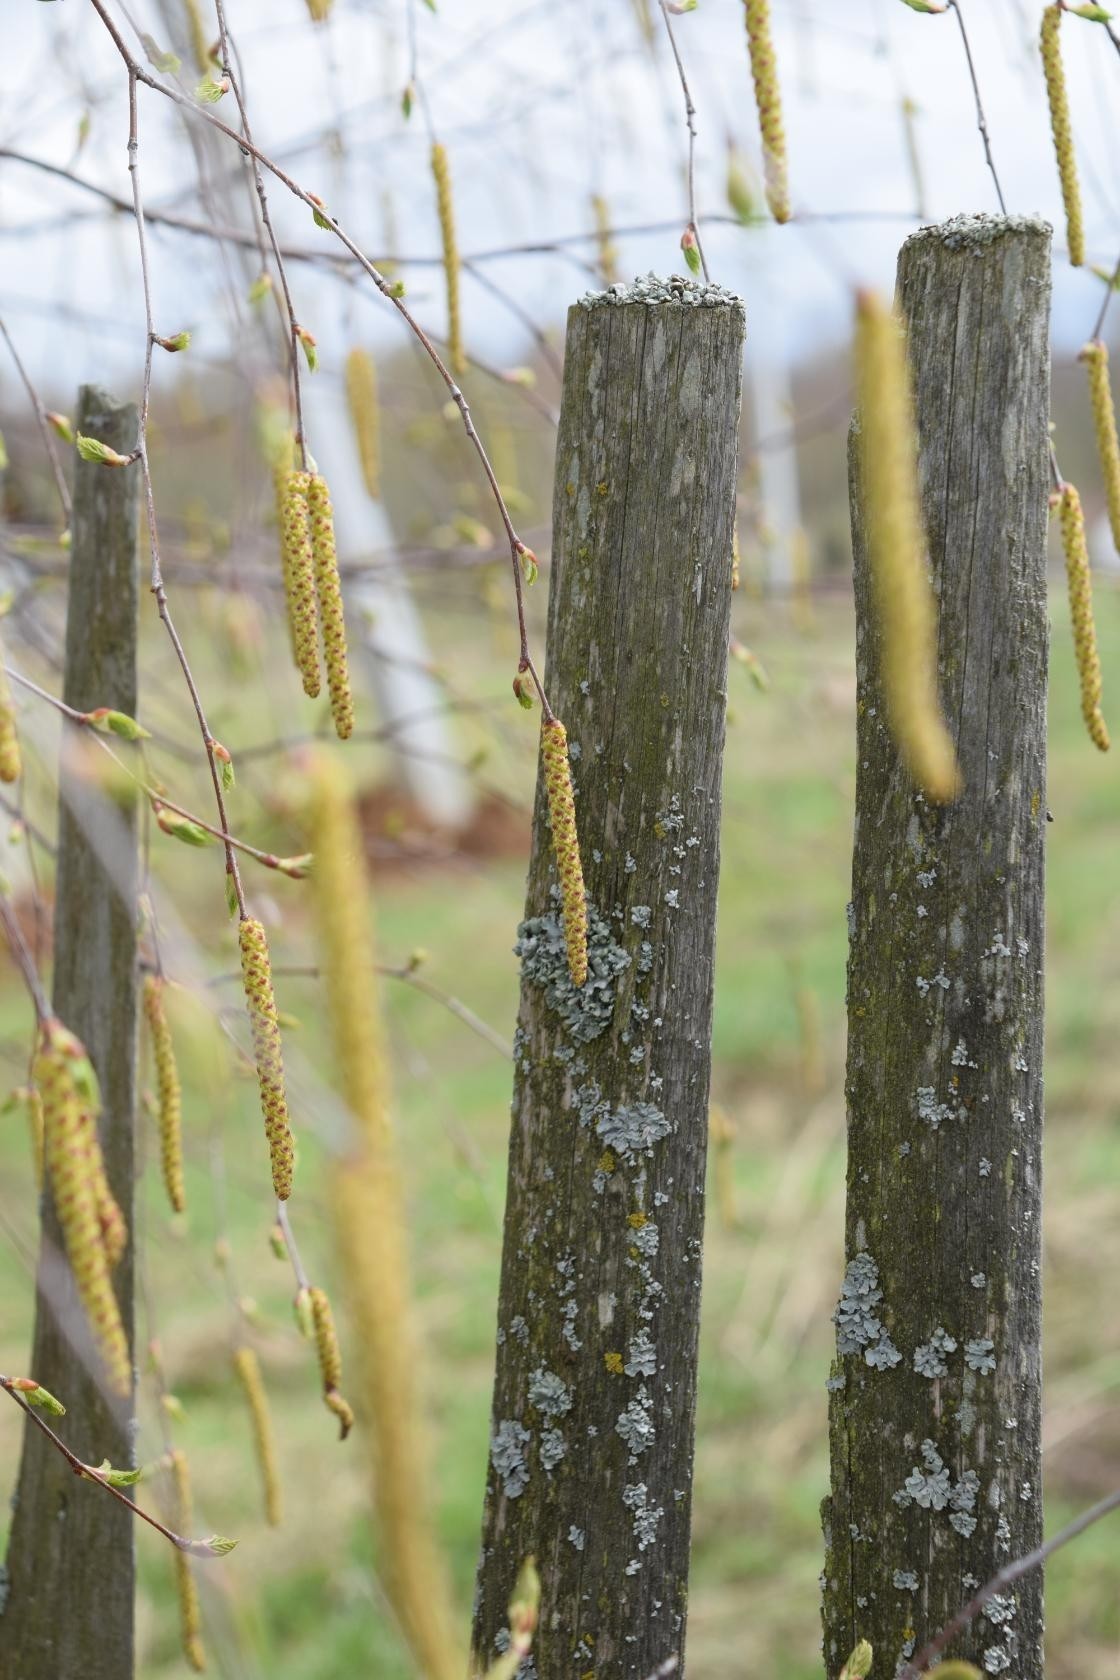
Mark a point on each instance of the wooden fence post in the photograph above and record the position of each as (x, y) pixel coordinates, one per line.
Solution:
(936, 1387)
(68, 1606)
(594, 1397)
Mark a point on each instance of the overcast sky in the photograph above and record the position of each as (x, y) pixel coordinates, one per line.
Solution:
(539, 105)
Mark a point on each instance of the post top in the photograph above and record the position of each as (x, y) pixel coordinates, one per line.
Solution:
(649, 288)
(974, 231)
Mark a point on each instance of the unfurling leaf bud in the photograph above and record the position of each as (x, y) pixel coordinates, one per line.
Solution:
(167, 63)
(1091, 13)
(107, 722)
(92, 449)
(260, 288)
(35, 1395)
(179, 341)
(523, 690)
(858, 1665)
(180, 828)
(691, 250)
(318, 212)
(211, 88)
(61, 425)
(104, 1472)
(310, 347)
(924, 6)
(528, 564)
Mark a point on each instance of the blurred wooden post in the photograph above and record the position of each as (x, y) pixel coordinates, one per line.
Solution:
(936, 1387)
(594, 1398)
(68, 1602)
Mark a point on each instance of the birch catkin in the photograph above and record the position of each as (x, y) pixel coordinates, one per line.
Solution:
(329, 589)
(299, 576)
(256, 970)
(369, 1215)
(247, 1367)
(1079, 579)
(190, 1618)
(565, 844)
(1050, 44)
(170, 1093)
(441, 172)
(330, 1358)
(1095, 357)
(10, 760)
(896, 547)
(768, 98)
(72, 1174)
(110, 1219)
(365, 416)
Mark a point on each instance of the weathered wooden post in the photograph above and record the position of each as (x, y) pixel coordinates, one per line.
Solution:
(68, 1603)
(935, 1402)
(594, 1397)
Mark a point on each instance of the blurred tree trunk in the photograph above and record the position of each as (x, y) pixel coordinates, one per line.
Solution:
(70, 1572)
(594, 1398)
(936, 1388)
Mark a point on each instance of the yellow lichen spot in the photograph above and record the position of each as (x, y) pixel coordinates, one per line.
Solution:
(659, 829)
(607, 1162)
(570, 488)
(613, 1362)
(1036, 805)
(665, 701)
(637, 1220)
(602, 488)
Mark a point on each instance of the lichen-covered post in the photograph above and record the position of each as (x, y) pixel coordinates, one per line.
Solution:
(594, 1398)
(70, 1571)
(936, 1386)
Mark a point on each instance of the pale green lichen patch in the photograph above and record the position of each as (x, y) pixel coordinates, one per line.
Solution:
(584, 1011)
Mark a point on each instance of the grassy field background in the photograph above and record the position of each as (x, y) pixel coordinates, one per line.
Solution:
(302, 1602)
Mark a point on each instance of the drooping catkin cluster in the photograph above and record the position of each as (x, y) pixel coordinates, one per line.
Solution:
(896, 550)
(330, 1358)
(565, 844)
(1095, 357)
(365, 416)
(247, 1366)
(1060, 128)
(10, 760)
(170, 1093)
(1079, 579)
(299, 576)
(441, 172)
(768, 98)
(92, 1224)
(256, 970)
(331, 617)
(368, 1206)
(190, 1617)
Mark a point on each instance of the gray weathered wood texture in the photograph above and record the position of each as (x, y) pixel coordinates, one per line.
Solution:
(935, 1437)
(68, 1604)
(594, 1399)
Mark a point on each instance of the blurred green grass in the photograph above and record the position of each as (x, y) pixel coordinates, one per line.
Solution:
(302, 1603)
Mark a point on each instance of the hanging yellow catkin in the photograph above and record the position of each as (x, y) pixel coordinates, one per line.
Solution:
(330, 1358)
(441, 172)
(66, 1148)
(768, 98)
(170, 1093)
(10, 760)
(565, 844)
(247, 1367)
(607, 249)
(896, 550)
(110, 1219)
(1062, 132)
(368, 1207)
(190, 1618)
(200, 46)
(319, 10)
(1095, 357)
(299, 576)
(365, 416)
(1079, 579)
(331, 616)
(256, 971)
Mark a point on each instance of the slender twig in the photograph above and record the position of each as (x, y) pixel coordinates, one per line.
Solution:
(1004, 1577)
(157, 586)
(1110, 287)
(226, 42)
(981, 122)
(690, 123)
(23, 958)
(283, 1219)
(44, 426)
(89, 1473)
